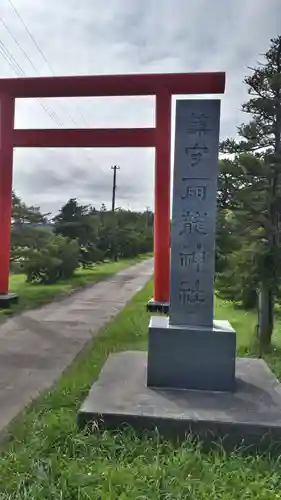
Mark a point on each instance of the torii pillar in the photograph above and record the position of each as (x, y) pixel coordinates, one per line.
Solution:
(7, 110)
(161, 299)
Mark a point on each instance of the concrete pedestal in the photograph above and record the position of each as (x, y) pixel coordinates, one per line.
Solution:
(7, 300)
(251, 416)
(184, 357)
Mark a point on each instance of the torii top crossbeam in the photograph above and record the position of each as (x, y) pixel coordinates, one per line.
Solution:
(163, 86)
(114, 85)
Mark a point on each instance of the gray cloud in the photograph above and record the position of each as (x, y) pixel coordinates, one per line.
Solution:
(118, 36)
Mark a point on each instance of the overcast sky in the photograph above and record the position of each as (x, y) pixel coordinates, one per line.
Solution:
(122, 36)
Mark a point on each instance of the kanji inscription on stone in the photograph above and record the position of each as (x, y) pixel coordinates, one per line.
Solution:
(194, 212)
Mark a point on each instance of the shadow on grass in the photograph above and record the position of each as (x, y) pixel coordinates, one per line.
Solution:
(205, 441)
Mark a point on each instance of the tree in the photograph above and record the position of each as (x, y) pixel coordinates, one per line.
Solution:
(57, 260)
(29, 228)
(23, 214)
(229, 184)
(47, 257)
(258, 156)
(70, 221)
(79, 222)
(236, 266)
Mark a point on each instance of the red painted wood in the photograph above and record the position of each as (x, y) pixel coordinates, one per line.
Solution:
(7, 106)
(114, 85)
(85, 138)
(161, 85)
(162, 198)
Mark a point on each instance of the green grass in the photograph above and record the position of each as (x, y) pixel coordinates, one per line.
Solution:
(49, 458)
(244, 322)
(35, 295)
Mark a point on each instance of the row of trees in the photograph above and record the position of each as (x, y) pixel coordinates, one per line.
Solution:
(249, 199)
(79, 235)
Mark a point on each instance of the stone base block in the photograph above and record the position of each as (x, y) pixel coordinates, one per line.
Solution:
(158, 307)
(184, 357)
(7, 300)
(251, 416)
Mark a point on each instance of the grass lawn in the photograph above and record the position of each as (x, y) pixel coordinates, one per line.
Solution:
(244, 323)
(35, 295)
(49, 458)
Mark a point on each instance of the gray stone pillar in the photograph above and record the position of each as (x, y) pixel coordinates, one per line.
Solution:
(194, 212)
(189, 349)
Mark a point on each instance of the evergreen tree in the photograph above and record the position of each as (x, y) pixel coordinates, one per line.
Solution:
(23, 233)
(258, 157)
(23, 214)
(78, 222)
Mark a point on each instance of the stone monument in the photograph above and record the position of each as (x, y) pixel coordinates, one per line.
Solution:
(190, 381)
(189, 350)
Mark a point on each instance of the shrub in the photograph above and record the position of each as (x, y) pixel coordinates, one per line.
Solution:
(56, 261)
(89, 255)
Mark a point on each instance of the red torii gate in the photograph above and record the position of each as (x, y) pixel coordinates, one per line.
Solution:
(163, 86)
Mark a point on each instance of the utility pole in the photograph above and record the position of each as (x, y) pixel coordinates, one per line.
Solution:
(115, 168)
(146, 219)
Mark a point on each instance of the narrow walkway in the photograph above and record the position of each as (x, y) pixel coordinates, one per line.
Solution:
(36, 346)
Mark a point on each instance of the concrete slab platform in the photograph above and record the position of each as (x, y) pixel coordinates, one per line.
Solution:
(251, 416)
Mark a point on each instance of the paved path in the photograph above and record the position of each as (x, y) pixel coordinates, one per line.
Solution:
(36, 346)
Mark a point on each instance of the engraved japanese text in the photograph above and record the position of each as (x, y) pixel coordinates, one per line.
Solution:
(198, 191)
(191, 295)
(198, 124)
(195, 153)
(193, 222)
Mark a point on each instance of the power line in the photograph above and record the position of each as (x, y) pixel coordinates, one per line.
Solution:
(29, 60)
(10, 59)
(30, 34)
(21, 72)
(39, 49)
(26, 56)
(18, 44)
